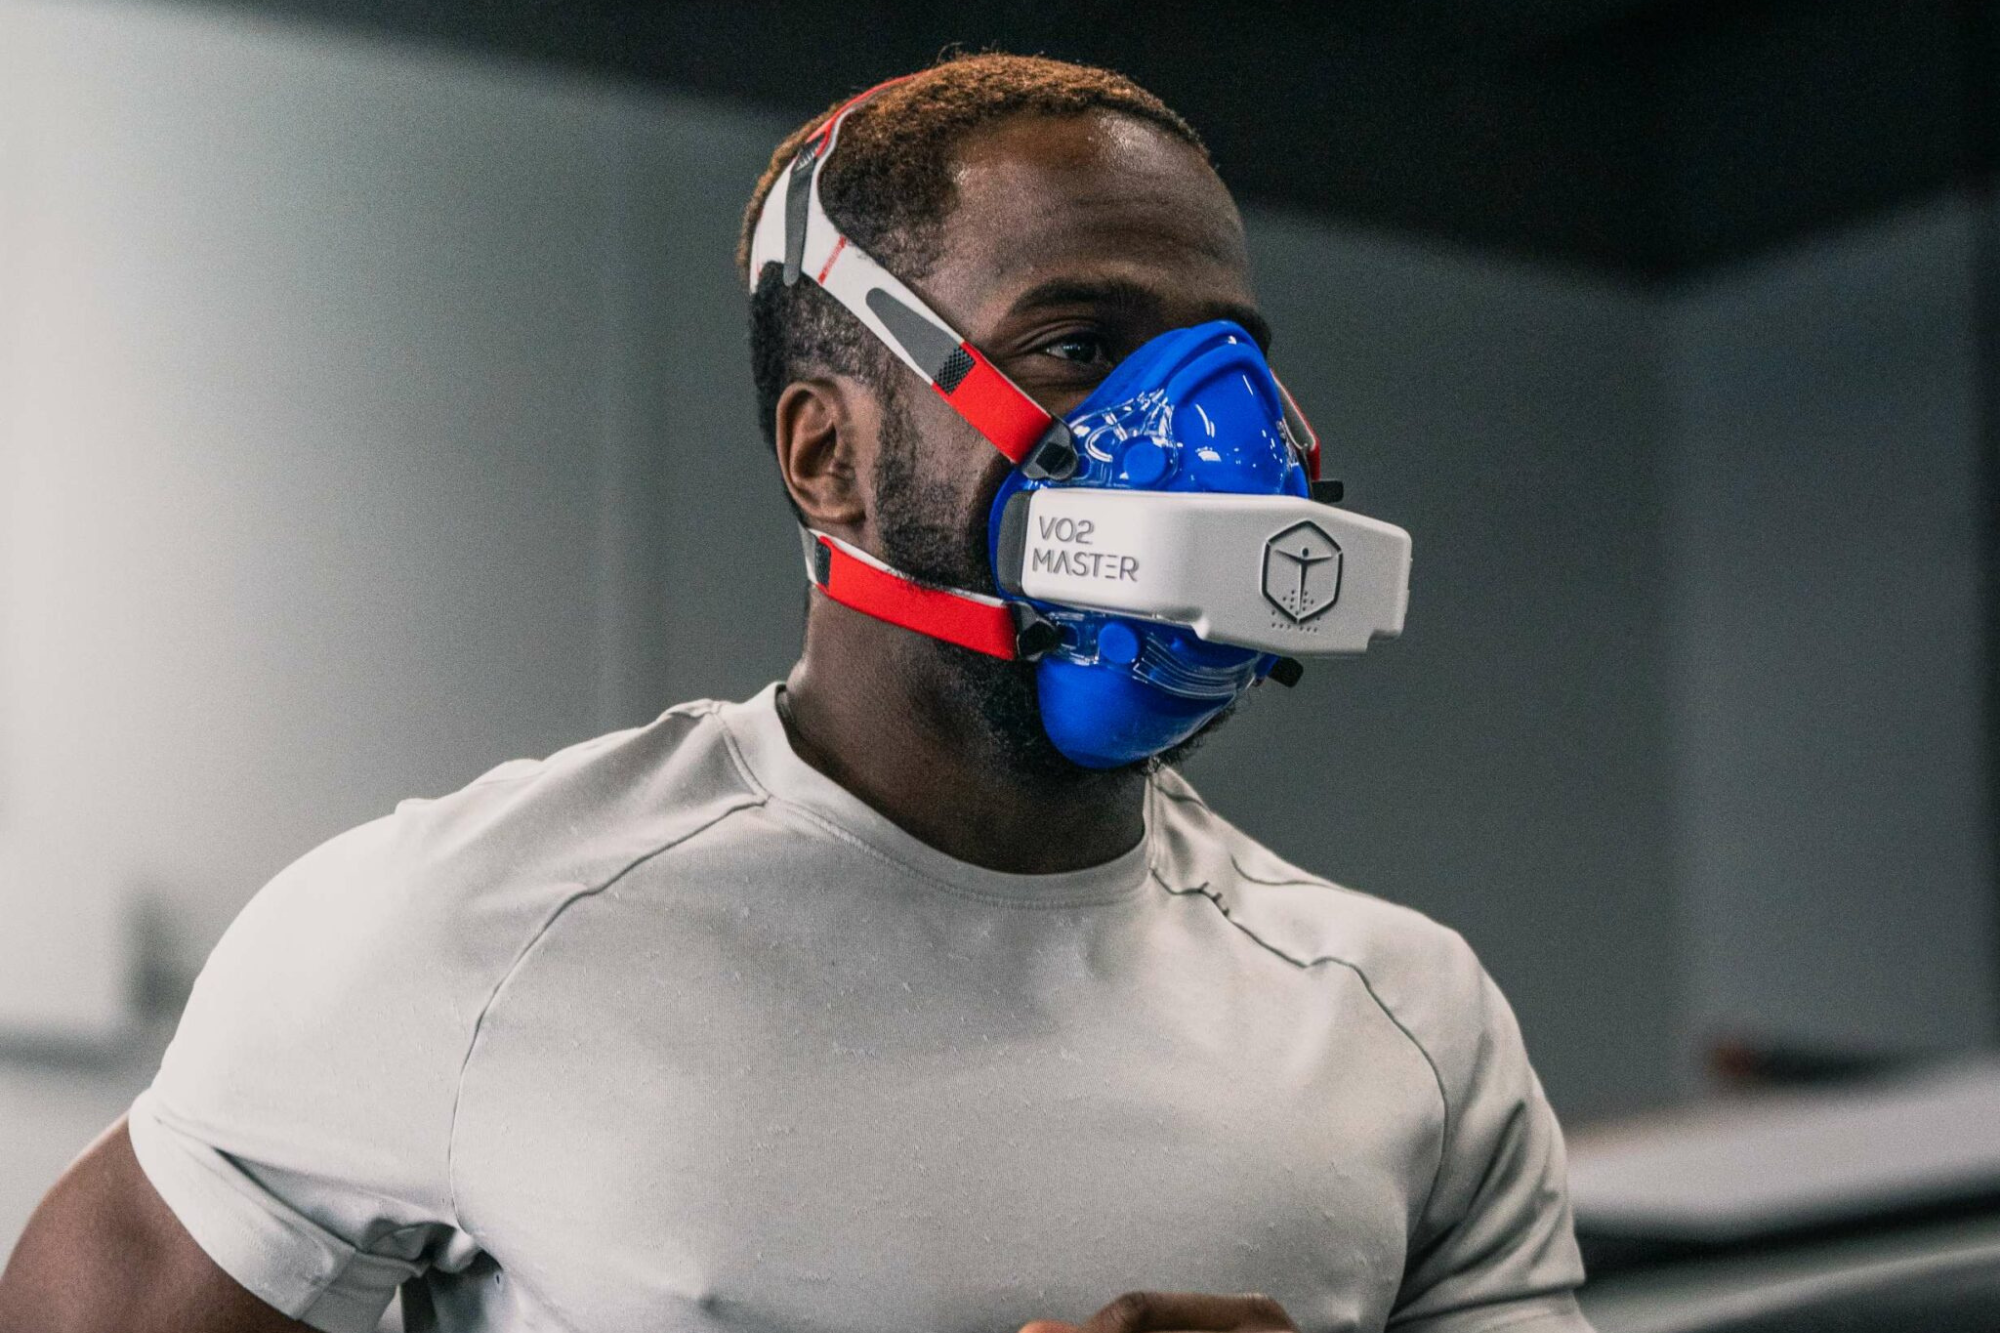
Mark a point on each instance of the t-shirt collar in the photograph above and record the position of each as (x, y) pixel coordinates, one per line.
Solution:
(766, 749)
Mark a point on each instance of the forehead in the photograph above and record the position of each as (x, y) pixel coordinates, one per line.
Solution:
(1100, 195)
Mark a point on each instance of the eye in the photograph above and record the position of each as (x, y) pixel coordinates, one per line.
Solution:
(1087, 349)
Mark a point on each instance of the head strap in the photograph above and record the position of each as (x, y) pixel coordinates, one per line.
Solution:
(794, 230)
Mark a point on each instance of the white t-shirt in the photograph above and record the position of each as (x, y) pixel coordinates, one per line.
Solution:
(670, 1031)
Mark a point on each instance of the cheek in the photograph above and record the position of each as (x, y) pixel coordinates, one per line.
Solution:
(954, 459)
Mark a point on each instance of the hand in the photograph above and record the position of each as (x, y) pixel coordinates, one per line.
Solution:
(1178, 1312)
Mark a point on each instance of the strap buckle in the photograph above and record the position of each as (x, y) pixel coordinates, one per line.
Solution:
(1054, 457)
(1034, 633)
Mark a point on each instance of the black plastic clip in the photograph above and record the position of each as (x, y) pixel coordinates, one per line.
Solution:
(1053, 458)
(798, 208)
(1328, 492)
(1034, 634)
(1288, 670)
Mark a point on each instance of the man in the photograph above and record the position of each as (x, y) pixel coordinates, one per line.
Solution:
(865, 1004)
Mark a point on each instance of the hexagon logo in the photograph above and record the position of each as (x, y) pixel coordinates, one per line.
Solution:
(1302, 571)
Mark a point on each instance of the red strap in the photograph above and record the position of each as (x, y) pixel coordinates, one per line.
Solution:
(996, 407)
(825, 131)
(984, 625)
(1311, 441)
(973, 385)
(987, 399)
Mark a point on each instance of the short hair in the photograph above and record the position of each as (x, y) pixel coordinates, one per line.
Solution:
(888, 187)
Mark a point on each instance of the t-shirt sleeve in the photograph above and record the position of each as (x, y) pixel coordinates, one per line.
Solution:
(300, 1123)
(1495, 1247)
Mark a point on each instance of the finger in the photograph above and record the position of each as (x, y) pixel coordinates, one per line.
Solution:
(1049, 1326)
(1188, 1312)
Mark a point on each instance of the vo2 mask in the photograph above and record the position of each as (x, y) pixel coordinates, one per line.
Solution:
(1159, 550)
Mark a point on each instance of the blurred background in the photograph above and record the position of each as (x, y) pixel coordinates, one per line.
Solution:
(374, 407)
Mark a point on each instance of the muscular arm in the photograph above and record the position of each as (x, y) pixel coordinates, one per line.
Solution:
(104, 1254)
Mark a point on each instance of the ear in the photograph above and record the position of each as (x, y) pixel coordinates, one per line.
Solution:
(827, 430)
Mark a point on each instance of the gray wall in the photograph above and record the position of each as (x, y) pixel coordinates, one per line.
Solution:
(409, 400)
(714, 553)
(335, 374)
(1838, 875)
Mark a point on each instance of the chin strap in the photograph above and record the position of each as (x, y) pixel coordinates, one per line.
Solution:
(856, 579)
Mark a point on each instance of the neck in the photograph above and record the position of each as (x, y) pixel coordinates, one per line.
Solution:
(861, 708)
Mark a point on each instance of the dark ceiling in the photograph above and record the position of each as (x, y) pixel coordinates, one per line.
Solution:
(1654, 138)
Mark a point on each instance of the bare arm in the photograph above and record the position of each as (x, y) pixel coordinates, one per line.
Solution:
(104, 1254)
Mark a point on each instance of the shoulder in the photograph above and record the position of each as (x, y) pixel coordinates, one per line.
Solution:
(1495, 1225)
(577, 818)
(1301, 914)
(527, 832)
(1422, 973)
(407, 923)
(312, 1086)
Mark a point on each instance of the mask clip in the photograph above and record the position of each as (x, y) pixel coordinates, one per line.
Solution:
(1054, 457)
(1034, 634)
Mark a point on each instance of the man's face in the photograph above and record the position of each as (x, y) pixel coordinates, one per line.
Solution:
(1074, 241)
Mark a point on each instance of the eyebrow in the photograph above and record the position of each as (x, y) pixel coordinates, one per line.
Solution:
(1130, 296)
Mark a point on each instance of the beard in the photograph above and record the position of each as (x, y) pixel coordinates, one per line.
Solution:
(929, 531)
(925, 528)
